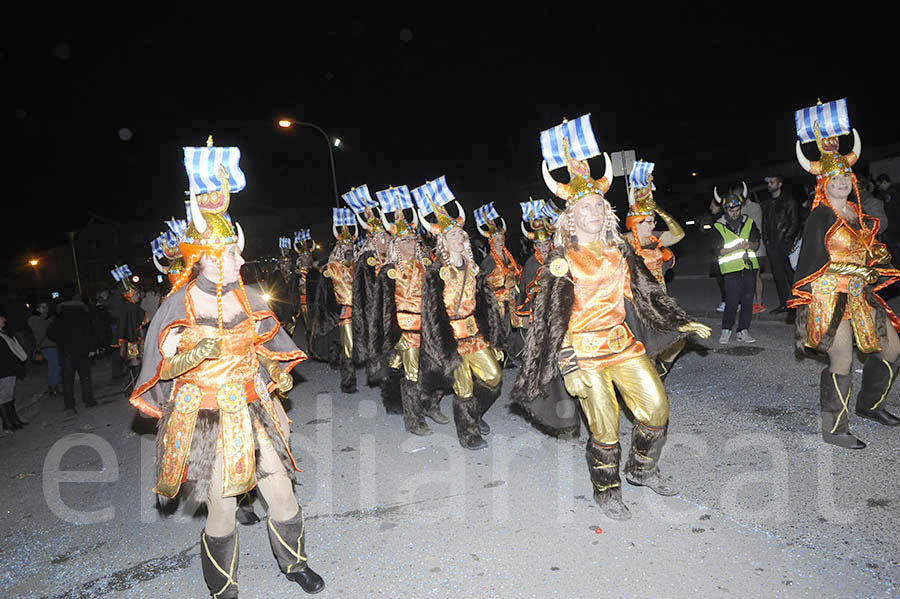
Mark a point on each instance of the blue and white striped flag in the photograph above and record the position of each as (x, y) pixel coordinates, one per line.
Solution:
(548, 211)
(640, 175)
(203, 176)
(177, 226)
(486, 214)
(437, 190)
(120, 273)
(358, 198)
(832, 117)
(156, 246)
(532, 210)
(343, 216)
(582, 144)
(171, 239)
(284, 243)
(302, 235)
(395, 198)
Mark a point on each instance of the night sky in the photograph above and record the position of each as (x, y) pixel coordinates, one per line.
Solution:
(412, 96)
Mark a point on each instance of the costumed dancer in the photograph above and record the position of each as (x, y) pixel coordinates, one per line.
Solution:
(502, 273)
(563, 417)
(213, 357)
(330, 316)
(461, 329)
(397, 337)
(132, 321)
(840, 269)
(653, 249)
(304, 246)
(598, 318)
(281, 287)
(166, 247)
(369, 260)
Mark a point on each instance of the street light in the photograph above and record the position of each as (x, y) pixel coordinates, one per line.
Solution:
(288, 123)
(33, 262)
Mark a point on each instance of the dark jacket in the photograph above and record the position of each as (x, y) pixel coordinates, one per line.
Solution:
(781, 221)
(73, 329)
(10, 364)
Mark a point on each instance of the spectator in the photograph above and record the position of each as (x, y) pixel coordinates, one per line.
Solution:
(885, 192)
(114, 306)
(12, 365)
(780, 228)
(752, 209)
(735, 248)
(39, 323)
(74, 333)
(151, 302)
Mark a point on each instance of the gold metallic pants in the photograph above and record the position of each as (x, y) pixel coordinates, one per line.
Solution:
(641, 389)
(347, 339)
(406, 357)
(481, 364)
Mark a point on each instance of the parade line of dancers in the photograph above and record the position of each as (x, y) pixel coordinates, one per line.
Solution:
(586, 316)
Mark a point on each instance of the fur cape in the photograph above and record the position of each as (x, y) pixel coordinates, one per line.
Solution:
(814, 257)
(324, 314)
(388, 332)
(652, 316)
(365, 315)
(438, 355)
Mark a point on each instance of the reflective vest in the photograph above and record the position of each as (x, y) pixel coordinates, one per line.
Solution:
(734, 261)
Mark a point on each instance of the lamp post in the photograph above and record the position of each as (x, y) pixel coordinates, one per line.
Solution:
(75, 259)
(288, 123)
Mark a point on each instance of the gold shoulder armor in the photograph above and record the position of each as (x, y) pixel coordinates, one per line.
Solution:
(559, 267)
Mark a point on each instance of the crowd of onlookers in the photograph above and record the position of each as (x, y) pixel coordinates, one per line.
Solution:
(63, 335)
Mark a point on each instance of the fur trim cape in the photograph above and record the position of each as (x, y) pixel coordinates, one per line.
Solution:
(438, 355)
(652, 316)
(324, 313)
(366, 298)
(812, 263)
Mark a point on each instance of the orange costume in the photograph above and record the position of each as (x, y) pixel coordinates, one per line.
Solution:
(840, 270)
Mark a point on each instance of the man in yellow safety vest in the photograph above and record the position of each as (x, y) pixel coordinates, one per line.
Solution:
(735, 248)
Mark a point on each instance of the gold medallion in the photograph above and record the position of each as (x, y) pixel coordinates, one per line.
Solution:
(559, 267)
(392, 274)
(371, 261)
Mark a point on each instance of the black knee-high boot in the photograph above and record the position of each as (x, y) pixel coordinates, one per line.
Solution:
(466, 414)
(219, 558)
(391, 391)
(878, 376)
(834, 396)
(286, 539)
(642, 467)
(603, 467)
(413, 408)
(8, 425)
(486, 397)
(348, 375)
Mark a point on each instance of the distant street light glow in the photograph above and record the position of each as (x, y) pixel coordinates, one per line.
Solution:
(337, 142)
(694, 174)
(689, 222)
(707, 227)
(33, 262)
(285, 123)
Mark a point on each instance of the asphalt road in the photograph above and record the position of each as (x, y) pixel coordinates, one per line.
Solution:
(765, 509)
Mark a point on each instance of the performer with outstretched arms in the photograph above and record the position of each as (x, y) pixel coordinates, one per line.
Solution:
(462, 329)
(304, 246)
(330, 316)
(213, 357)
(653, 249)
(598, 318)
(840, 269)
